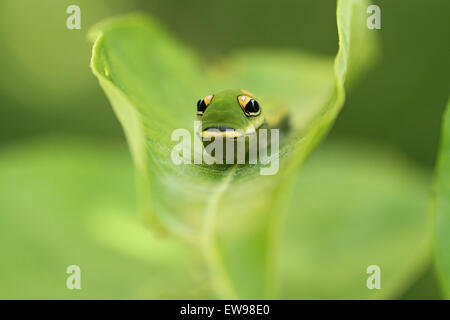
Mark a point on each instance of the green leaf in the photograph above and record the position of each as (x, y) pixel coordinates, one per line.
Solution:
(69, 202)
(232, 213)
(441, 205)
(356, 205)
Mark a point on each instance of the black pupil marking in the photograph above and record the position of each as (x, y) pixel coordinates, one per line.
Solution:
(252, 107)
(201, 105)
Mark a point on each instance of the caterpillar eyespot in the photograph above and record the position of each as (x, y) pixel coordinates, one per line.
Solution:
(202, 104)
(249, 106)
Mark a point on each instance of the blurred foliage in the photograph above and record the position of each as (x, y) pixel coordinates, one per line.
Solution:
(73, 202)
(72, 210)
(354, 206)
(45, 82)
(401, 103)
(47, 87)
(426, 287)
(442, 205)
(43, 60)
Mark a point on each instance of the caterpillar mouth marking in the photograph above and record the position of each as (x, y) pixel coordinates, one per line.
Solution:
(220, 131)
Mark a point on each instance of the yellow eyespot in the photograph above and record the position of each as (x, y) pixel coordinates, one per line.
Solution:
(203, 103)
(249, 106)
(208, 99)
(243, 100)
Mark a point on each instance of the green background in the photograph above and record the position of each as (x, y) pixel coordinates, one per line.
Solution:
(47, 89)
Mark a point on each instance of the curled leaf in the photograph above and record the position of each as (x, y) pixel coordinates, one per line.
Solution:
(441, 204)
(230, 211)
